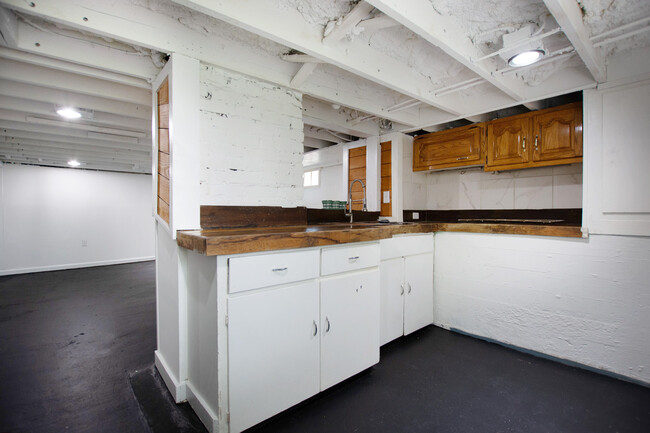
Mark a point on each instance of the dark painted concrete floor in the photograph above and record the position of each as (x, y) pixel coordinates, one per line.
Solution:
(68, 341)
(72, 343)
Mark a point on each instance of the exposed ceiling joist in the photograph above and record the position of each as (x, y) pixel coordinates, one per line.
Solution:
(315, 143)
(8, 28)
(323, 134)
(40, 76)
(92, 143)
(127, 22)
(45, 109)
(301, 58)
(61, 132)
(64, 66)
(322, 115)
(569, 16)
(420, 17)
(103, 60)
(61, 161)
(60, 97)
(377, 23)
(48, 148)
(287, 27)
(335, 31)
(303, 73)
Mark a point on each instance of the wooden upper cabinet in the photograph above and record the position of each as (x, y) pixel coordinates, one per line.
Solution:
(507, 141)
(540, 138)
(458, 147)
(558, 133)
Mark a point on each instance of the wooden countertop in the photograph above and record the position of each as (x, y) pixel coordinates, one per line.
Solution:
(213, 242)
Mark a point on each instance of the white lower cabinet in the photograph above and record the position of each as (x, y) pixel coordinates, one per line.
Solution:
(406, 276)
(350, 325)
(273, 352)
(288, 342)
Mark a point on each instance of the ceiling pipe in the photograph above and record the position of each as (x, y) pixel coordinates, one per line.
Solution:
(619, 28)
(623, 36)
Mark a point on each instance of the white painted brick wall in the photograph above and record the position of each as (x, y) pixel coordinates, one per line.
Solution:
(251, 141)
(583, 300)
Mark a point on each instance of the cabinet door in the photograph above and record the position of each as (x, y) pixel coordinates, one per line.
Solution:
(508, 141)
(558, 134)
(350, 325)
(392, 299)
(273, 352)
(452, 148)
(418, 299)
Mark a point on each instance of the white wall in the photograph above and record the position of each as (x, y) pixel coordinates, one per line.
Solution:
(48, 212)
(329, 161)
(583, 300)
(251, 141)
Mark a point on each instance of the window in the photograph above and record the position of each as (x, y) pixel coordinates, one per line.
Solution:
(311, 178)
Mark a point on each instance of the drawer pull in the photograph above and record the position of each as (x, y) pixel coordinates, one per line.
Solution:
(462, 158)
(409, 291)
(353, 259)
(401, 287)
(280, 269)
(315, 329)
(328, 324)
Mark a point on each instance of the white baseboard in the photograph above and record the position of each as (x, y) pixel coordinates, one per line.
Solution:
(202, 409)
(177, 389)
(75, 265)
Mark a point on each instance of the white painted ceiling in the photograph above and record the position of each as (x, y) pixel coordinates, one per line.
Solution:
(364, 67)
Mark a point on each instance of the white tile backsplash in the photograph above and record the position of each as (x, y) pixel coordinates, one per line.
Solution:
(473, 188)
(534, 192)
(498, 194)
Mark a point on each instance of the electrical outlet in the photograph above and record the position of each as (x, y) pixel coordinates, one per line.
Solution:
(416, 215)
(84, 243)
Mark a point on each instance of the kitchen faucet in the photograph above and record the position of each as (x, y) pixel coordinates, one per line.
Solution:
(350, 201)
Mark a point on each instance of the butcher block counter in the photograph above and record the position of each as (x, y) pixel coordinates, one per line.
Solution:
(212, 242)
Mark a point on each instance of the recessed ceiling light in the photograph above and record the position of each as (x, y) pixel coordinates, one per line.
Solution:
(74, 163)
(526, 58)
(68, 113)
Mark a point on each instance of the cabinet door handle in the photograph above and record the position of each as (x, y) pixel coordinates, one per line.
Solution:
(328, 324)
(279, 269)
(315, 329)
(462, 158)
(409, 291)
(523, 144)
(536, 149)
(353, 259)
(401, 287)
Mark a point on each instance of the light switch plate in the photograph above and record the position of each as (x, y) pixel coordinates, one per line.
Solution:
(386, 196)
(416, 215)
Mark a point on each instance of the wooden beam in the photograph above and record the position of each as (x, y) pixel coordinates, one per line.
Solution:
(444, 32)
(301, 58)
(40, 76)
(8, 28)
(125, 21)
(380, 22)
(54, 96)
(303, 73)
(321, 134)
(569, 16)
(44, 109)
(322, 115)
(344, 26)
(14, 135)
(108, 62)
(289, 28)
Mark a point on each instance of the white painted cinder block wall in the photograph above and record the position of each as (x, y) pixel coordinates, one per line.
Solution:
(47, 213)
(251, 141)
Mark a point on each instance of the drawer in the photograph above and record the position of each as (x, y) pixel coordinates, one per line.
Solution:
(349, 258)
(406, 246)
(264, 270)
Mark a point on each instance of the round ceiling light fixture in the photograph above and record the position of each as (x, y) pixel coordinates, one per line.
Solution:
(526, 58)
(68, 113)
(74, 163)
